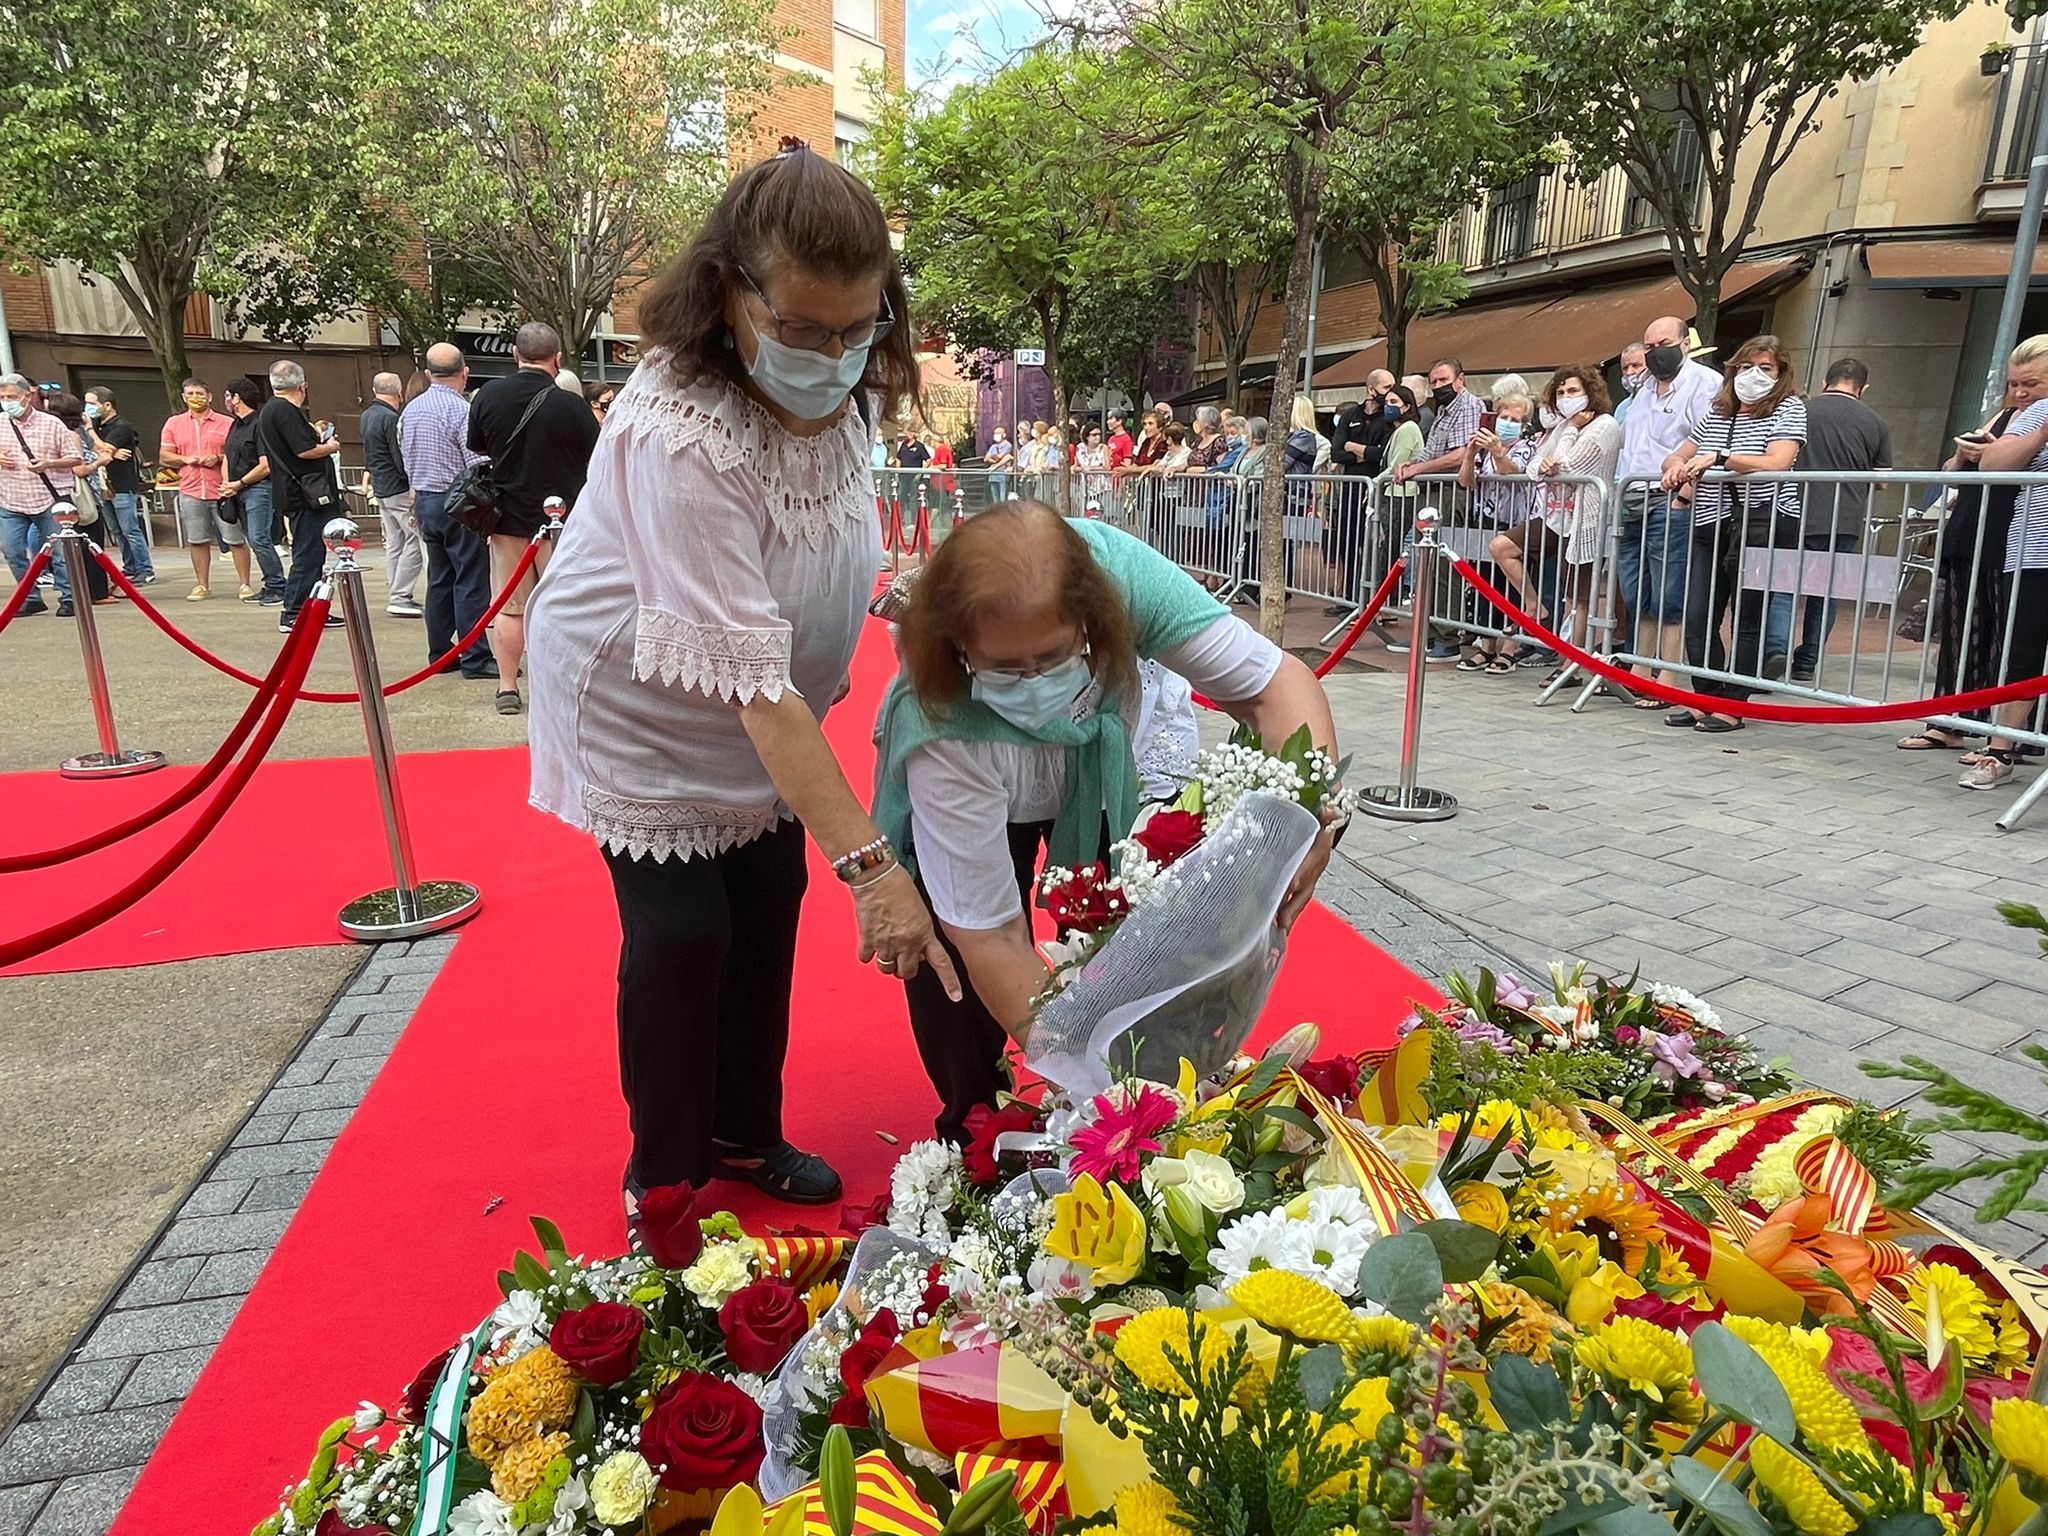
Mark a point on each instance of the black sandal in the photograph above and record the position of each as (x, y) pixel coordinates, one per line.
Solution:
(781, 1172)
(1717, 725)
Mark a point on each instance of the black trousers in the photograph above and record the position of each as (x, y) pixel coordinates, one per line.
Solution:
(309, 551)
(458, 581)
(705, 966)
(1712, 588)
(961, 1043)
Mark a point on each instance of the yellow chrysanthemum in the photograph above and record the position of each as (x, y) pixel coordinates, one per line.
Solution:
(1532, 1325)
(1621, 1224)
(2015, 1345)
(528, 1398)
(1490, 1118)
(819, 1298)
(519, 1469)
(1142, 1343)
(1824, 1415)
(1295, 1305)
(2019, 1428)
(1146, 1509)
(1370, 1401)
(1962, 1306)
(1384, 1335)
(1793, 1484)
(1640, 1357)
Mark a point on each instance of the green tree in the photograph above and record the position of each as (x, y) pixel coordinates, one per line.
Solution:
(556, 145)
(1012, 207)
(1701, 106)
(174, 148)
(1115, 330)
(1295, 83)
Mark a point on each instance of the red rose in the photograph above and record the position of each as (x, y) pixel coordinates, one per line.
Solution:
(851, 1411)
(761, 1323)
(867, 1349)
(600, 1342)
(668, 1226)
(1083, 903)
(1334, 1077)
(936, 1293)
(331, 1524)
(856, 1219)
(984, 1125)
(703, 1433)
(1169, 835)
(422, 1389)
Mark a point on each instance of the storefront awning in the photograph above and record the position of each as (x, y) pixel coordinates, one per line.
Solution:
(1254, 376)
(1946, 263)
(1476, 335)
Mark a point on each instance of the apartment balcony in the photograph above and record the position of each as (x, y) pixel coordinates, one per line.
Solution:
(1550, 222)
(2013, 116)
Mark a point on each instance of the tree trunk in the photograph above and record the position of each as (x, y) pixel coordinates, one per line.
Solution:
(160, 313)
(1707, 310)
(1305, 202)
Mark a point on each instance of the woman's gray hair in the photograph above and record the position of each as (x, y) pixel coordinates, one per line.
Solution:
(1208, 417)
(286, 374)
(1256, 428)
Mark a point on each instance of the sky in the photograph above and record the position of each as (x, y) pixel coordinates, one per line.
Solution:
(953, 40)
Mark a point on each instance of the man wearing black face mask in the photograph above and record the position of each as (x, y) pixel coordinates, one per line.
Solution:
(1449, 441)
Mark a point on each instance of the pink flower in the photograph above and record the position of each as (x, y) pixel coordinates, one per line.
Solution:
(1111, 1146)
(1672, 1056)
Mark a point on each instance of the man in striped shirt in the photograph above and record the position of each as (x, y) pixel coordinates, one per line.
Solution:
(434, 435)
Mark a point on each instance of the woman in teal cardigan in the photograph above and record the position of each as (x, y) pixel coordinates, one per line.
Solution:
(1006, 739)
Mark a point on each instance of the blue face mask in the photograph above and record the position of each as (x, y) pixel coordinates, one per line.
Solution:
(12, 407)
(808, 385)
(1032, 703)
(92, 410)
(1508, 431)
(1391, 410)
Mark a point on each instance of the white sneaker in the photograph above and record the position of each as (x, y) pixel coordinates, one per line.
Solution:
(246, 593)
(198, 594)
(1986, 773)
(405, 608)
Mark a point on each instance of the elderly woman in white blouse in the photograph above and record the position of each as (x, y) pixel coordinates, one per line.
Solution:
(695, 625)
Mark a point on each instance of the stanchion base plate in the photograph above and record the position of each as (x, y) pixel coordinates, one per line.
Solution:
(115, 765)
(1386, 802)
(434, 905)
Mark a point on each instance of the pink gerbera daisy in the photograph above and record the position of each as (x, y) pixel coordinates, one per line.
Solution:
(1111, 1145)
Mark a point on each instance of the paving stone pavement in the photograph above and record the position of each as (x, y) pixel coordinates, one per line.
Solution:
(68, 1464)
(1831, 896)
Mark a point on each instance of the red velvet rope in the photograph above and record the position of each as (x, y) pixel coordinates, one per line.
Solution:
(305, 639)
(25, 588)
(184, 795)
(1816, 714)
(1358, 628)
(313, 696)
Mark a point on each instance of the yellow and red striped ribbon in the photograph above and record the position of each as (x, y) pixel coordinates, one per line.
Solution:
(884, 1503)
(802, 1261)
(1826, 1167)
(1041, 1489)
(965, 1399)
(1380, 1181)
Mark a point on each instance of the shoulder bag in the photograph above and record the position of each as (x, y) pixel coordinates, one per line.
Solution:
(88, 510)
(473, 496)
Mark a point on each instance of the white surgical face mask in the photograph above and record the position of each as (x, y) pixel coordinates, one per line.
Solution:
(13, 407)
(1032, 703)
(1633, 381)
(808, 385)
(1547, 416)
(1752, 384)
(1569, 406)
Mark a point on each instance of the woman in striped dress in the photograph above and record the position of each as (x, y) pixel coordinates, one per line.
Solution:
(2024, 446)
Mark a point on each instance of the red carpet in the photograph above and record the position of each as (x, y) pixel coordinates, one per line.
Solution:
(503, 1090)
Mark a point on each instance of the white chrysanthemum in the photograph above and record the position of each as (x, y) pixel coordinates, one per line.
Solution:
(1335, 1249)
(1261, 1240)
(922, 1188)
(516, 1325)
(572, 1502)
(1341, 1203)
(1668, 996)
(482, 1514)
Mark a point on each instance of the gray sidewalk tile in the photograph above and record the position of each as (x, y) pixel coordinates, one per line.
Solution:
(86, 1506)
(178, 1326)
(229, 1274)
(223, 1234)
(1931, 974)
(159, 1281)
(1769, 1003)
(21, 1504)
(84, 1386)
(166, 1377)
(56, 1448)
(1963, 1023)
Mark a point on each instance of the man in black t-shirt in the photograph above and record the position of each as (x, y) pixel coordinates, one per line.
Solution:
(301, 477)
(124, 482)
(911, 455)
(549, 456)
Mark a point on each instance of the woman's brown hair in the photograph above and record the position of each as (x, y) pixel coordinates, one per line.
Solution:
(1590, 380)
(1017, 557)
(797, 209)
(1725, 403)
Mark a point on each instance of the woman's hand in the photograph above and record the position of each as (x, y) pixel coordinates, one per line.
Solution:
(896, 930)
(1302, 887)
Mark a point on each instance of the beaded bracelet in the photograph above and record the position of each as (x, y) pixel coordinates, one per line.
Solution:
(869, 856)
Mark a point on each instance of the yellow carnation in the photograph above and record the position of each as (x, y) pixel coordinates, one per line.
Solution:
(1963, 1309)
(1825, 1416)
(528, 1398)
(519, 1469)
(1793, 1484)
(1142, 1344)
(1639, 1357)
(2019, 1428)
(1146, 1509)
(1295, 1305)
(1099, 1229)
(622, 1488)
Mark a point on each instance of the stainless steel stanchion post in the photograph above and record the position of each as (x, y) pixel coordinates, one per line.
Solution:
(1406, 801)
(410, 908)
(110, 762)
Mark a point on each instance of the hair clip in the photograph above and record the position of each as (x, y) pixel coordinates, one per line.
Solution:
(791, 145)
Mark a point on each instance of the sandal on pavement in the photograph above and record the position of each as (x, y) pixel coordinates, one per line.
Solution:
(1501, 665)
(508, 701)
(780, 1172)
(1474, 659)
(1648, 703)
(1929, 741)
(1717, 725)
(1681, 719)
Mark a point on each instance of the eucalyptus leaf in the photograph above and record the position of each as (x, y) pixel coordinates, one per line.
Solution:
(1731, 1513)
(1322, 1370)
(1632, 1520)
(1527, 1396)
(1738, 1382)
(1576, 1514)
(1463, 1248)
(1403, 1274)
(1909, 1524)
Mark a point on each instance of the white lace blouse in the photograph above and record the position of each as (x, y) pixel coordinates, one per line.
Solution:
(712, 556)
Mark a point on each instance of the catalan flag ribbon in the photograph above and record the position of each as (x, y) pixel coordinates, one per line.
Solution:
(884, 1503)
(1826, 1167)
(1041, 1490)
(1385, 1188)
(966, 1400)
(802, 1261)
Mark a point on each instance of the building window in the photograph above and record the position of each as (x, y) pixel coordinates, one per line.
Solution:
(862, 16)
(850, 145)
(1511, 221)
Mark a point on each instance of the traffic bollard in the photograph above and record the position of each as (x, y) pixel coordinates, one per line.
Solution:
(110, 762)
(1406, 801)
(409, 908)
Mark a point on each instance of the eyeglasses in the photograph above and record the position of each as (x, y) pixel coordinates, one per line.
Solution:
(605, 402)
(810, 336)
(1038, 669)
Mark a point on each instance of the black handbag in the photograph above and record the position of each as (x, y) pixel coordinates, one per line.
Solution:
(473, 495)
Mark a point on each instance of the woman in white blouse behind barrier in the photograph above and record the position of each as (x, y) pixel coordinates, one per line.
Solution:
(696, 623)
